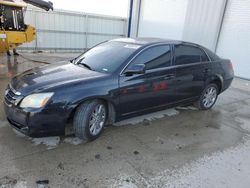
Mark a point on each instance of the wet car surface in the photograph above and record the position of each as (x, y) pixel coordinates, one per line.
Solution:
(141, 154)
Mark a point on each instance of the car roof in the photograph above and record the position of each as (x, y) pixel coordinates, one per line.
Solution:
(148, 41)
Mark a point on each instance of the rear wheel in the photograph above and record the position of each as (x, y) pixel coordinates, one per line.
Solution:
(89, 120)
(208, 97)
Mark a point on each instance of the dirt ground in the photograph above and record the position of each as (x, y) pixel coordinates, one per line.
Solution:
(180, 147)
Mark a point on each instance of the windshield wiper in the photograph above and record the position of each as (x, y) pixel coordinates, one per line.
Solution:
(85, 65)
(79, 62)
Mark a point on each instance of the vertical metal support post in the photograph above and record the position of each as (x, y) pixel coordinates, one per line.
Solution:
(35, 17)
(222, 20)
(86, 31)
(130, 16)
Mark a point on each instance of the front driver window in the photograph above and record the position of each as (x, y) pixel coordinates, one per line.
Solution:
(154, 57)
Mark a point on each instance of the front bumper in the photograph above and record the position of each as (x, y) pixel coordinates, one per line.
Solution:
(37, 123)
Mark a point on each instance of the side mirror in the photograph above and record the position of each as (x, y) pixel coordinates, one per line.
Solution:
(135, 69)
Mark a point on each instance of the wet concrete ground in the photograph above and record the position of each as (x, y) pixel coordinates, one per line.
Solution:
(172, 148)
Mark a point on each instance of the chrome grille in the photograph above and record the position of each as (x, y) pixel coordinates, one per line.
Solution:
(11, 97)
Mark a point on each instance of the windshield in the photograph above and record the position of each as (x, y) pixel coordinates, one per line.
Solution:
(106, 57)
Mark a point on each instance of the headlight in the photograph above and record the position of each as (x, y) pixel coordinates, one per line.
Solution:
(37, 100)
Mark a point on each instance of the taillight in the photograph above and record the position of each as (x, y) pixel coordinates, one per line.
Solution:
(230, 66)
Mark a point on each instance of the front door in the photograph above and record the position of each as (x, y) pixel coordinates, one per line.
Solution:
(152, 89)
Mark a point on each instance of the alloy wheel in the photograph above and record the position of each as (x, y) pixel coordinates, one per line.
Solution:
(209, 97)
(97, 119)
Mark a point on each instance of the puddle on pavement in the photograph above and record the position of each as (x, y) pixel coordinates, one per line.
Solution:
(146, 119)
(10, 66)
(149, 117)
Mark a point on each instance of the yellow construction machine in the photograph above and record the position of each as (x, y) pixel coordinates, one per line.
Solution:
(13, 30)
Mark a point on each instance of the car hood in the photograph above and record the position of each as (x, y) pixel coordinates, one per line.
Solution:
(46, 77)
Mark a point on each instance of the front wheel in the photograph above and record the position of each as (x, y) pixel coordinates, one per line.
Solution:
(89, 120)
(208, 97)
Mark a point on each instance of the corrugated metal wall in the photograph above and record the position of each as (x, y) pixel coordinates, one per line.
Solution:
(234, 40)
(203, 21)
(72, 31)
(196, 21)
(162, 18)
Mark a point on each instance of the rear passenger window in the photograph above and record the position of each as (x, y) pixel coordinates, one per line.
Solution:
(204, 56)
(185, 54)
(154, 57)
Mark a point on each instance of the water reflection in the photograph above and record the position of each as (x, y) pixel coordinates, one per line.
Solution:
(12, 67)
(8, 67)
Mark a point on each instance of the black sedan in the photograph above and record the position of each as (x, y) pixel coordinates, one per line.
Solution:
(112, 81)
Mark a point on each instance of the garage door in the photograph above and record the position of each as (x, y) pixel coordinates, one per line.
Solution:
(234, 40)
(162, 18)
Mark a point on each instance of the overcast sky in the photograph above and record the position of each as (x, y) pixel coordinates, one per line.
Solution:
(107, 7)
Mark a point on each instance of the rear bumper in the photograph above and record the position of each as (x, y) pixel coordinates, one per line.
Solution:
(43, 122)
(226, 84)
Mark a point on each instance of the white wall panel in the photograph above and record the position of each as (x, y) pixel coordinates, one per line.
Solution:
(60, 40)
(203, 21)
(95, 39)
(105, 26)
(162, 18)
(234, 40)
(66, 30)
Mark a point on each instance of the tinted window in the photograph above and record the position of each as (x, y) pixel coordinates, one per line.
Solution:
(188, 54)
(155, 57)
(204, 56)
(212, 55)
(107, 57)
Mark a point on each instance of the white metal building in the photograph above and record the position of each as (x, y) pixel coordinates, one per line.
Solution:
(220, 25)
(69, 31)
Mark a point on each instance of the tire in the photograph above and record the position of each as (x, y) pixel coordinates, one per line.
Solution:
(204, 104)
(87, 114)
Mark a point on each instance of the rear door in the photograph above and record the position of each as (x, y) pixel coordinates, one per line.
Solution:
(192, 69)
(152, 89)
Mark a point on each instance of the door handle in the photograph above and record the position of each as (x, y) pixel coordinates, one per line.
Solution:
(169, 76)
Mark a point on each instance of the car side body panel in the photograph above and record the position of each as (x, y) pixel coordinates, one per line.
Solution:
(153, 89)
